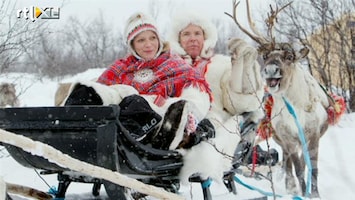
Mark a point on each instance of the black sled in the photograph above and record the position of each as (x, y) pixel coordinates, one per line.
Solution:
(92, 134)
(95, 135)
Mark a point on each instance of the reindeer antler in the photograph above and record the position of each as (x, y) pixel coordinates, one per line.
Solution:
(272, 18)
(257, 37)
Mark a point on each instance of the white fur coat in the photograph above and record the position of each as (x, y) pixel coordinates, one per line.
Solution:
(214, 157)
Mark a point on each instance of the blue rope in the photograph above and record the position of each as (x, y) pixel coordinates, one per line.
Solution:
(304, 145)
(236, 179)
(306, 158)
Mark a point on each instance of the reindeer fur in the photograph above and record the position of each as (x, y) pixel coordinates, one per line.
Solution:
(285, 77)
(8, 95)
(310, 103)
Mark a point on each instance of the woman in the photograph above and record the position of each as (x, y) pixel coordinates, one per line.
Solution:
(159, 76)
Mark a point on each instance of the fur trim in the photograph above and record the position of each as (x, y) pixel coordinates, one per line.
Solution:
(216, 69)
(179, 134)
(197, 104)
(181, 21)
(137, 23)
(213, 157)
(109, 94)
(198, 101)
(166, 47)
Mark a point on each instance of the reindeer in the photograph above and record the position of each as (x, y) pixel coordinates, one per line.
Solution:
(285, 79)
(8, 95)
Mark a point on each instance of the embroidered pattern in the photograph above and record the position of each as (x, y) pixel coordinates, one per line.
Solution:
(143, 75)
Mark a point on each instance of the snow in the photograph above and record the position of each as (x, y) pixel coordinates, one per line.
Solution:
(336, 156)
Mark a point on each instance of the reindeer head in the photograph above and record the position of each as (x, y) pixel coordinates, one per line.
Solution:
(279, 58)
(279, 64)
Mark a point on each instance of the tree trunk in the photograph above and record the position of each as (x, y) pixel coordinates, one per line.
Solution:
(351, 24)
(352, 100)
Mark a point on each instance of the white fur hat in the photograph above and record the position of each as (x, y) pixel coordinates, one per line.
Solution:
(137, 23)
(181, 21)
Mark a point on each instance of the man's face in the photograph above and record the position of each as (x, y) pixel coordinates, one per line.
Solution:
(192, 39)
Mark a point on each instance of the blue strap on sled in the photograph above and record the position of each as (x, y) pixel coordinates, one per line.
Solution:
(302, 138)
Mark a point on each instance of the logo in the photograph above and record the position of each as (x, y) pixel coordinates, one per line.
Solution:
(33, 13)
(147, 126)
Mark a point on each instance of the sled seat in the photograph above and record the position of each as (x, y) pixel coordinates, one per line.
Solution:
(91, 134)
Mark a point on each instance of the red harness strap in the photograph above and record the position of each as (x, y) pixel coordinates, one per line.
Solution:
(254, 160)
(265, 129)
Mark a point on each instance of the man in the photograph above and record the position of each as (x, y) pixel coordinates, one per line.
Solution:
(237, 90)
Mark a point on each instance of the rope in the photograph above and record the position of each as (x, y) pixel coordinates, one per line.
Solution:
(236, 179)
(39, 175)
(304, 145)
(52, 190)
(306, 158)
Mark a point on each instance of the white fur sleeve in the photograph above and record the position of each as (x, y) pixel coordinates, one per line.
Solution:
(109, 94)
(236, 102)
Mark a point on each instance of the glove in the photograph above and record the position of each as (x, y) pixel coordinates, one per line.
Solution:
(204, 131)
(239, 49)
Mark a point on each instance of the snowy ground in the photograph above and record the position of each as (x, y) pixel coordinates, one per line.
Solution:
(336, 158)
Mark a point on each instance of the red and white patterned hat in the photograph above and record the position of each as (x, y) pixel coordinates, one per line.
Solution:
(136, 24)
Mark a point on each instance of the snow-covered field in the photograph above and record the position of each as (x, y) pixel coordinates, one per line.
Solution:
(336, 158)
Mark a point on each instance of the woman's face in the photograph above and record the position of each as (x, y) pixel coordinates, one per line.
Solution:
(146, 44)
(192, 39)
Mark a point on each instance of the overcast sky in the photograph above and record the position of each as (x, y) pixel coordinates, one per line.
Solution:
(117, 11)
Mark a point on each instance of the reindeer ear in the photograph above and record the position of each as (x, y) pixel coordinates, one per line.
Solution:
(303, 52)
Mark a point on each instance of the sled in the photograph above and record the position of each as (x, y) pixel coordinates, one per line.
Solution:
(92, 134)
